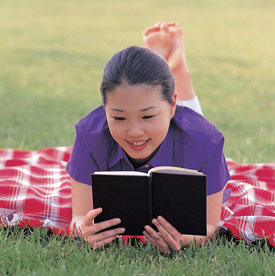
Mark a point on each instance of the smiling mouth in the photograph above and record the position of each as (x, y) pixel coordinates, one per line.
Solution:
(137, 143)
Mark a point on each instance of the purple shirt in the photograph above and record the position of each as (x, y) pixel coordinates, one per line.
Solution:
(191, 142)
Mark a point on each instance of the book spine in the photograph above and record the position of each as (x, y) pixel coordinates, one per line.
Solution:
(149, 200)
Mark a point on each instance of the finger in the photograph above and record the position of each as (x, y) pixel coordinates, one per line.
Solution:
(155, 236)
(97, 227)
(149, 238)
(89, 218)
(78, 231)
(157, 241)
(107, 234)
(172, 241)
(168, 227)
(98, 244)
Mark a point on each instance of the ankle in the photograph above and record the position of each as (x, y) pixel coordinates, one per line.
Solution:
(182, 76)
(180, 69)
(183, 85)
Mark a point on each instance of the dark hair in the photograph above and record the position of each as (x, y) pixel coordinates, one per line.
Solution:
(136, 65)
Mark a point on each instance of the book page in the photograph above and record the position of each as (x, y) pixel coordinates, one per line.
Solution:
(171, 169)
(122, 173)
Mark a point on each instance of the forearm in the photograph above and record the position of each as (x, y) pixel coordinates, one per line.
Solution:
(82, 202)
(77, 221)
(188, 239)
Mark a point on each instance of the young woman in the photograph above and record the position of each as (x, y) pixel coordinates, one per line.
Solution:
(140, 126)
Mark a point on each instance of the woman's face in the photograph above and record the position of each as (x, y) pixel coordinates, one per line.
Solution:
(138, 119)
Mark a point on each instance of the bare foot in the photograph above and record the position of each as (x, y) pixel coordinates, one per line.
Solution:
(165, 39)
(157, 38)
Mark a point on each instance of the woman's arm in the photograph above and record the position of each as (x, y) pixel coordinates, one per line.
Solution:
(82, 202)
(169, 238)
(83, 216)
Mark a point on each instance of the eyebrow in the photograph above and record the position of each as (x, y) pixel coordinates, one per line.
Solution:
(148, 108)
(116, 109)
(144, 109)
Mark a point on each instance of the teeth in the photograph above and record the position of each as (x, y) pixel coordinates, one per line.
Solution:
(137, 143)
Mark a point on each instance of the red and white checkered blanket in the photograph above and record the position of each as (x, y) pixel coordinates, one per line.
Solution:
(35, 190)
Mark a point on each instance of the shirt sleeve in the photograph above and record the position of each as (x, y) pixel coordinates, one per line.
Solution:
(81, 163)
(216, 170)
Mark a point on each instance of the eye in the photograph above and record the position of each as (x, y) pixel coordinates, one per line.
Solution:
(148, 117)
(119, 118)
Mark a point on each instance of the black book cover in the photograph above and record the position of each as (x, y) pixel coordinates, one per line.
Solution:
(181, 200)
(136, 200)
(124, 197)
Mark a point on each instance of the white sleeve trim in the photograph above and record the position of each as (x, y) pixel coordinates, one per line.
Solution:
(193, 103)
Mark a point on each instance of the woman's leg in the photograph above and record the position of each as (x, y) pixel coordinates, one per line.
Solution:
(165, 39)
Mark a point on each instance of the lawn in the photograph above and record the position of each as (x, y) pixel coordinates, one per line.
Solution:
(51, 62)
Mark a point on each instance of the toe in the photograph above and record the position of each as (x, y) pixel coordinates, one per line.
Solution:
(171, 24)
(178, 25)
(164, 26)
(158, 23)
(155, 29)
(149, 30)
(145, 31)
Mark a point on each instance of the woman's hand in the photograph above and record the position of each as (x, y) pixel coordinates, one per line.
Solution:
(169, 237)
(89, 230)
(166, 239)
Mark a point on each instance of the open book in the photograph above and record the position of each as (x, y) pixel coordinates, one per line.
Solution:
(177, 194)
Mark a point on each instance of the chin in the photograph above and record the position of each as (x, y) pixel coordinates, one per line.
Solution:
(138, 157)
(142, 157)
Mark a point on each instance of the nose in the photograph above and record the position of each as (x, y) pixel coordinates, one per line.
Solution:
(135, 130)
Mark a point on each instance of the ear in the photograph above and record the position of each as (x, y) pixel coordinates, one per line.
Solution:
(173, 105)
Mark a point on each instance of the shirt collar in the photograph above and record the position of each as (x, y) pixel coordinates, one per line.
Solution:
(115, 155)
(164, 155)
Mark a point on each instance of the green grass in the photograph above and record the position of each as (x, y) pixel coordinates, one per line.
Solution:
(59, 256)
(52, 54)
